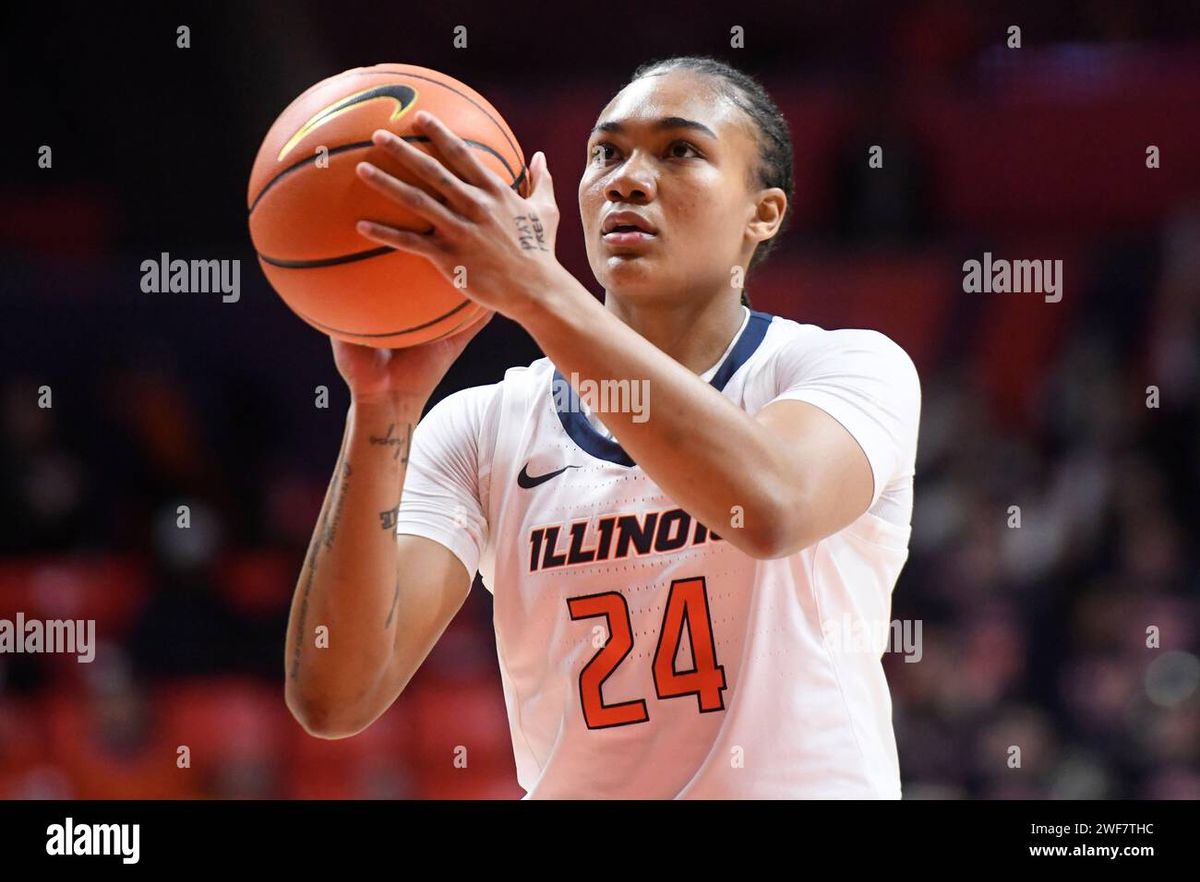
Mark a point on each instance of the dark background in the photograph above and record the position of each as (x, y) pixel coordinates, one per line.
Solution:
(1033, 637)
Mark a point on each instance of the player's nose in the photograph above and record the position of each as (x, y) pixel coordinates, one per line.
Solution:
(634, 181)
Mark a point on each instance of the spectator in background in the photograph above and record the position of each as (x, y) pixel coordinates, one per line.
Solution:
(43, 483)
(891, 203)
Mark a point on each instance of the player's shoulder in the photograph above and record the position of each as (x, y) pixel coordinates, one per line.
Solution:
(470, 399)
(812, 343)
(783, 330)
(537, 372)
(525, 383)
(479, 403)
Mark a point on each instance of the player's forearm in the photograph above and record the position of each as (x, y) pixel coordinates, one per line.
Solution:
(690, 439)
(337, 648)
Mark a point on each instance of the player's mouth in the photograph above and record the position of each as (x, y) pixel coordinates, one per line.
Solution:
(626, 228)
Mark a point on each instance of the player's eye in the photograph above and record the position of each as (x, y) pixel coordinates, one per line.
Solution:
(685, 145)
(598, 151)
(677, 150)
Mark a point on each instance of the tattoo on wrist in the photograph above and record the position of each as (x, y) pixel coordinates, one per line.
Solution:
(392, 440)
(530, 232)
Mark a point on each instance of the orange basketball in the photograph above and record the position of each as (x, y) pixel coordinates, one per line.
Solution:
(305, 199)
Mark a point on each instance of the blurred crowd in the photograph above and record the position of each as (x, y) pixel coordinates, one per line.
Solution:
(1075, 635)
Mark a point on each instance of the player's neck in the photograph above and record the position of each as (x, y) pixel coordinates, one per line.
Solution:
(694, 334)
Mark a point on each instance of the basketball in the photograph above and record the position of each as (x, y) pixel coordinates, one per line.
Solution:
(305, 198)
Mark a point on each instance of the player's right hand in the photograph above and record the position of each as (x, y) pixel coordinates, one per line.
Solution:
(382, 376)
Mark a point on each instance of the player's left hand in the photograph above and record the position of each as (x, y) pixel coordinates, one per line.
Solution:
(495, 244)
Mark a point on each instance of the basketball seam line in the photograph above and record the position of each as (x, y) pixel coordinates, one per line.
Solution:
(443, 316)
(343, 148)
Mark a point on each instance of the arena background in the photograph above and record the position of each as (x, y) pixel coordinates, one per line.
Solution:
(1033, 636)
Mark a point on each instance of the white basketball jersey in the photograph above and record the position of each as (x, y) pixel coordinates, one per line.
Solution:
(642, 655)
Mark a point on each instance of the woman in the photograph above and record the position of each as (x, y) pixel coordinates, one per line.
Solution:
(667, 605)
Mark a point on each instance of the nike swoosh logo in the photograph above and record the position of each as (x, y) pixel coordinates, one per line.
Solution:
(528, 481)
(403, 95)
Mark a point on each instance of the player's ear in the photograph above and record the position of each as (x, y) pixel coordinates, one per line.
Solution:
(768, 214)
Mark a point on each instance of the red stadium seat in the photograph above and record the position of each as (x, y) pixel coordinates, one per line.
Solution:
(108, 589)
(257, 583)
(462, 714)
(225, 719)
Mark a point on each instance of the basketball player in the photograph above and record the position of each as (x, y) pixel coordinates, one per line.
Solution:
(674, 565)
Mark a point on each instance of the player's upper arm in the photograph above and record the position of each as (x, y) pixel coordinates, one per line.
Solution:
(441, 527)
(846, 413)
(431, 587)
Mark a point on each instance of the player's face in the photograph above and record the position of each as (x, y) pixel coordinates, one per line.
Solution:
(670, 149)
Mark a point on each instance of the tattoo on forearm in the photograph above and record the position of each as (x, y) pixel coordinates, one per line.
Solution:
(314, 551)
(395, 603)
(401, 444)
(301, 624)
(530, 232)
(338, 505)
(388, 518)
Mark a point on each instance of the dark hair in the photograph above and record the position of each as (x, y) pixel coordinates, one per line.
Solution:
(774, 167)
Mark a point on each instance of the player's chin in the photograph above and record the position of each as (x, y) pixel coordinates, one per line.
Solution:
(629, 257)
(628, 272)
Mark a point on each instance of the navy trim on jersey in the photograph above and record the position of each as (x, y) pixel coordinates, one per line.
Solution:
(576, 424)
